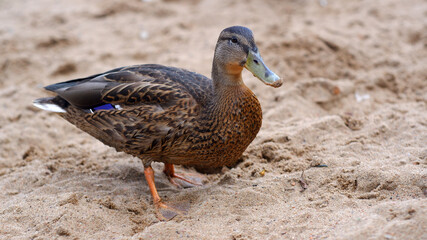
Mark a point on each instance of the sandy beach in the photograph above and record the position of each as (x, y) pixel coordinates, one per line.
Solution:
(342, 152)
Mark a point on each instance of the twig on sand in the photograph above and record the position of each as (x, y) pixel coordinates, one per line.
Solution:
(321, 165)
(303, 182)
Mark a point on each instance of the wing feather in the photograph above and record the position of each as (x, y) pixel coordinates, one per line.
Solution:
(158, 105)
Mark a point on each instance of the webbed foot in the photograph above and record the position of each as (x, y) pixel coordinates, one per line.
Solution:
(167, 211)
(183, 180)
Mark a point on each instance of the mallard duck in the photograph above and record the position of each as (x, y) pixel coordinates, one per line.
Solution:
(171, 115)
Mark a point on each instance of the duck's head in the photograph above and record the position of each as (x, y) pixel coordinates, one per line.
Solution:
(235, 50)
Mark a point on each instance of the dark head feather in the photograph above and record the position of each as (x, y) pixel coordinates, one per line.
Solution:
(242, 31)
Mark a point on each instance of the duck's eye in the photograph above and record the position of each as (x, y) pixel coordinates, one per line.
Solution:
(233, 40)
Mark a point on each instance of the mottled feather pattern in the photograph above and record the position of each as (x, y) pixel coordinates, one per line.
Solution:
(171, 115)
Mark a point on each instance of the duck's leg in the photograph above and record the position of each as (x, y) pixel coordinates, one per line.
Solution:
(165, 211)
(183, 180)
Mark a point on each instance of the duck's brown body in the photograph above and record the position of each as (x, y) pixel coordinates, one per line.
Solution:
(171, 115)
(183, 120)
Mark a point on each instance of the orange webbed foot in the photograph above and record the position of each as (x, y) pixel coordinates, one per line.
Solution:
(183, 180)
(167, 211)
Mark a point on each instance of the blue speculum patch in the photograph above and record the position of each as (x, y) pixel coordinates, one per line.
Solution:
(104, 107)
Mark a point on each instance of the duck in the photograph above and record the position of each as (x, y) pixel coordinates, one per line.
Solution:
(171, 115)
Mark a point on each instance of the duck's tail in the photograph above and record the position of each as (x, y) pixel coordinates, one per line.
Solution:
(52, 104)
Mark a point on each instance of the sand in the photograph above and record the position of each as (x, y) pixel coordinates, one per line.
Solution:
(351, 116)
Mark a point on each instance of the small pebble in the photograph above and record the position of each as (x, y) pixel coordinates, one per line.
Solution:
(143, 35)
(323, 3)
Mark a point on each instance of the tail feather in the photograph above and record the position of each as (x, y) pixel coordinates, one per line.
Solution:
(49, 104)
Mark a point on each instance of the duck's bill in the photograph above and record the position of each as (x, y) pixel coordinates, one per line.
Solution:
(257, 67)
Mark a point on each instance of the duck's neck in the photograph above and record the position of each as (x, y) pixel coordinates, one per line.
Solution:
(226, 76)
(230, 93)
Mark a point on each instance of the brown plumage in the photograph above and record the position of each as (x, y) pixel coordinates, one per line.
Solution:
(171, 115)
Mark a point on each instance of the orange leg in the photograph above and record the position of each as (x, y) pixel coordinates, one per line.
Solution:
(164, 211)
(169, 170)
(149, 176)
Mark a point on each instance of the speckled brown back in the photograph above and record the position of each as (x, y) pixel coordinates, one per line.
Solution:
(167, 115)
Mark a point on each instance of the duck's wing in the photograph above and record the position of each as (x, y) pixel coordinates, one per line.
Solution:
(133, 85)
(145, 109)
